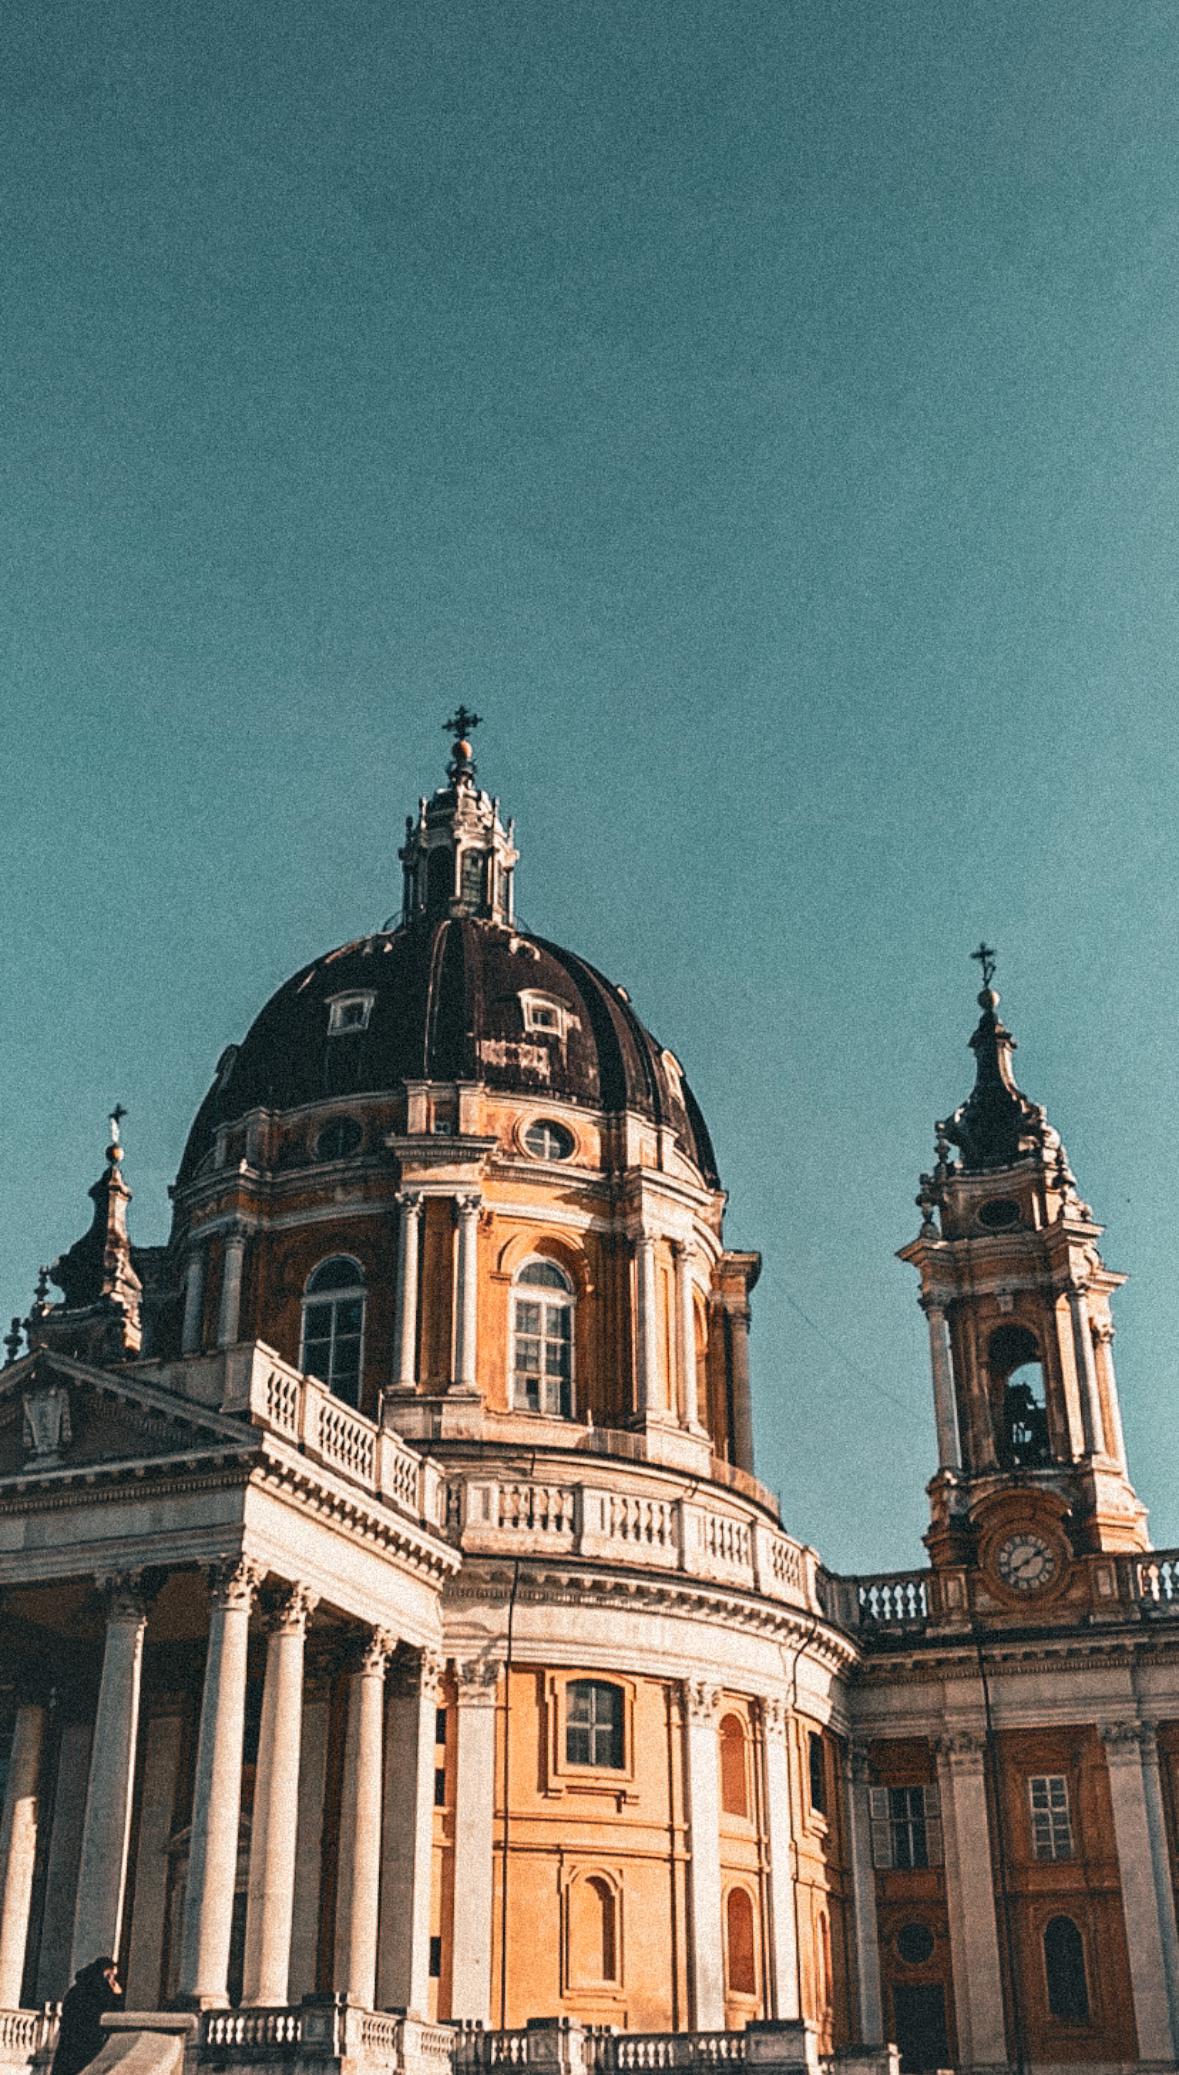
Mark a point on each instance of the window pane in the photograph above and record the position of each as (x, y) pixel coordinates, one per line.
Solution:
(336, 1274)
(349, 1313)
(543, 1275)
(527, 1317)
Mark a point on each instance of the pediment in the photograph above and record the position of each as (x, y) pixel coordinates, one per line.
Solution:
(58, 1415)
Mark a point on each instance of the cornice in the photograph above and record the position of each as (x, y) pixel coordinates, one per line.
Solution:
(1081, 1654)
(431, 1559)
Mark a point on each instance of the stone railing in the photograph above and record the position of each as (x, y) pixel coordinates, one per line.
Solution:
(891, 1600)
(1156, 1581)
(561, 2046)
(492, 1514)
(302, 1410)
(28, 2035)
(328, 2028)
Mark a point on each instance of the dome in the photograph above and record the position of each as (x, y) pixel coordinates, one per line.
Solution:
(452, 999)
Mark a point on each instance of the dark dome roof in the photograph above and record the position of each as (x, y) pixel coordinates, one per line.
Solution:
(447, 1007)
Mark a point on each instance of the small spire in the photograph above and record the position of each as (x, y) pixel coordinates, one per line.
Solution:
(12, 1341)
(997, 1124)
(98, 1270)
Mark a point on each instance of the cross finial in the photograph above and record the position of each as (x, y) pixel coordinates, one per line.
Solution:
(986, 958)
(116, 1117)
(460, 723)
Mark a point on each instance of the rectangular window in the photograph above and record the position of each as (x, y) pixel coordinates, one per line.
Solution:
(435, 1959)
(440, 1786)
(906, 1826)
(818, 1772)
(593, 1723)
(440, 1725)
(1052, 1829)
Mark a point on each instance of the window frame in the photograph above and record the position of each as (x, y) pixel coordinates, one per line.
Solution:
(562, 1777)
(606, 1988)
(546, 1015)
(345, 1293)
(1044, 1822)
(337, 1004)
(886, 1826)
(556, 1125)
(1055, 2017)
(564, 1300)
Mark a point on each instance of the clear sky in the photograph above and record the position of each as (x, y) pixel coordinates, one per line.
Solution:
(764, 412)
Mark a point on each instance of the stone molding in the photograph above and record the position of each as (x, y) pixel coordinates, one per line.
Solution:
(702, 1700)
(287, 1610)
(234, 1582)
(963, 1747)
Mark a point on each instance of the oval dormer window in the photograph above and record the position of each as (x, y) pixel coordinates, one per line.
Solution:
(339, 1139)
(999, 1214)
(547, 1140)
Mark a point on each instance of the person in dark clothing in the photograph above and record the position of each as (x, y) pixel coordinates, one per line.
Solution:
(81, 2037)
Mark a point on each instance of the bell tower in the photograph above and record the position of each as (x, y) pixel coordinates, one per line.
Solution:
(1032, 1493)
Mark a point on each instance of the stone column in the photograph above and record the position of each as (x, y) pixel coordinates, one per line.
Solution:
(945, 1409)
(217, 1789)
(738, 1316)
(970, 1899)
(18, 1848)
(106, 1826)
(646, 1326)
(686, 1311)
(477, 1681)
(1091, 1421)
(403, 1966)
(1103, 1332)
(863, 1883)
(466, 1294)
(358, 1892)
(1148, 1903)
(702, 1780)
(405, 1366)
(271, 1903)
(192, 1330)
(233, 1261)
(783, 1908)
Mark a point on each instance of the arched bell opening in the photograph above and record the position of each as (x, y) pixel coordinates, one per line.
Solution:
(1018, 1399)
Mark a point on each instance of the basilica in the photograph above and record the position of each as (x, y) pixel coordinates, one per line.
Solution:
(403, 1664)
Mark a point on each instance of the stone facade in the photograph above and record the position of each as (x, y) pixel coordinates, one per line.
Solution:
(404, 1664)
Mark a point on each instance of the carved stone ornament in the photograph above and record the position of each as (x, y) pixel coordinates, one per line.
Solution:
(415, 1673)
(288, 1610)
(233, 1582)
(775, 1716)
(373, 1650)
(123, 1596)
(859, 1771)
(477, 1677)
(702, 1700)
(1126, 1739)
(47, 1430)
(964, 1745)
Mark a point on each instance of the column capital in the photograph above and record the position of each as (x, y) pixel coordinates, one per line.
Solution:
(933, 1301)
(1126, 1741)
(467, 1206)
(236, 1232)
(234, 1581)
(962, 1747)
(477, 1678)
(680, 1250)
(701, 1700)
(124, 1595)
(775, 1716)
(409, 1202)
(371, 1652)
(419, 1673)
(643, 1242)
(1103, 1330)
(859, 1771)
(287, 1609)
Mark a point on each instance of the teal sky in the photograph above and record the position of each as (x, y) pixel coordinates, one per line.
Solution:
(764, 412)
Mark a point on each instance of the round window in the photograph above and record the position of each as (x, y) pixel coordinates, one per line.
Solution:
(338, 1139)
(915, 1944)
(998, 1214)
(548, 1141)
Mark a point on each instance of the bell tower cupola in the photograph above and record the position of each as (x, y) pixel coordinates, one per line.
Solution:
(458, 857)
(1017, 1299)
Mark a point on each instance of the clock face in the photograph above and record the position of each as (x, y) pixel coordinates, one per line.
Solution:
(1026, 1562)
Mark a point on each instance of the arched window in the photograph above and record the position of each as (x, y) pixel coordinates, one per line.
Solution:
(1017, 1380)
(333, 1326)
(740, 1943)
(734, 1777)
(593, 1724)
(542, 1340)
(593, 1931)
(1064, 1967)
